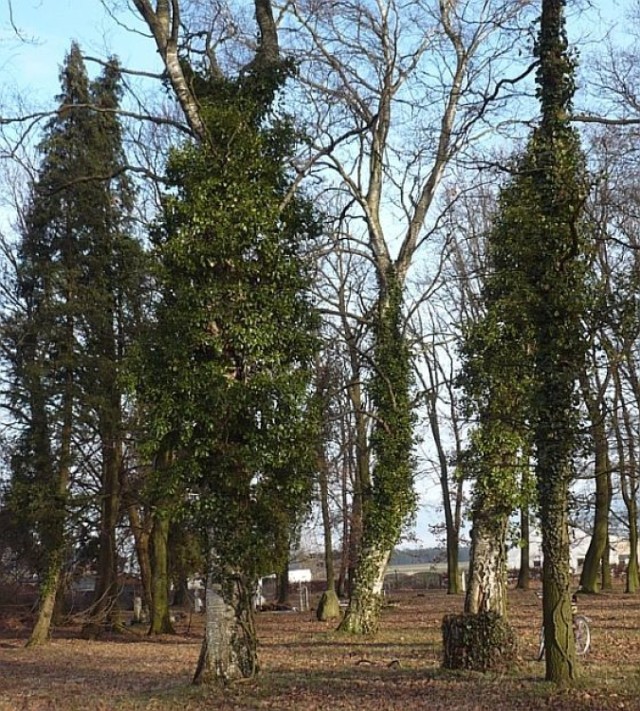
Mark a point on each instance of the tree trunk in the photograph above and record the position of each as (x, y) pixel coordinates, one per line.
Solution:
(282, 584)
(487, 590)
(363, 614)
(361, 475)
(329, 604)
(607, 580)
(452, 530)
(624, 429)
(633, 576)
(590, 576)
(479, 642)
(47, 602)
(556, 579)
(229, 647)
(106, 597)
(524, 574)
(160, 617)
(54, 530)
(141, 539)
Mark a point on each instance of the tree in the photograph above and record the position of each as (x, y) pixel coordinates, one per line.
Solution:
(71, 245)
(361, 65)
(389, 497)
(558, 285)
(73, 263)
(497, 378)
(234, 335)
(115, 274)
(524, 360)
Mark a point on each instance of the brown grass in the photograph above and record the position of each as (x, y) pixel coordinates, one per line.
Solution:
(306, 665)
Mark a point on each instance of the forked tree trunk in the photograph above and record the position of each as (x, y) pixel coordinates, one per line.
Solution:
(229, 647)
(363, 614)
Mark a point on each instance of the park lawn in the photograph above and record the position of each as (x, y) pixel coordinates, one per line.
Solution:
(307, 665)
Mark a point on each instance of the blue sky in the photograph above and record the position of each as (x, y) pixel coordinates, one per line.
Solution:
(30, 67)
(48, 27)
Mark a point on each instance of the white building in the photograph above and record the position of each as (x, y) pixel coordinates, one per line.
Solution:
(579, 542)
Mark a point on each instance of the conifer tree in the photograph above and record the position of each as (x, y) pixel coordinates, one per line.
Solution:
(73, 261)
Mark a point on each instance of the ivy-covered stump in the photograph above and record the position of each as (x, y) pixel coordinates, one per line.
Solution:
(329, 606)
(482, 642)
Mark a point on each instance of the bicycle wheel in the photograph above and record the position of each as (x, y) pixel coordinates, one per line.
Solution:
(582, 634)
(541, 649)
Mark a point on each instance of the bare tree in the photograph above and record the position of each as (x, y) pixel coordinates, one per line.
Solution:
(399, 92)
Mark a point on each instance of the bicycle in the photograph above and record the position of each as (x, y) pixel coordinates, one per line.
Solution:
(581, 630)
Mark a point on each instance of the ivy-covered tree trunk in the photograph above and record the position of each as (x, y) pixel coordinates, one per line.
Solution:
(229, 648)
(54, 538)
(558, 281)
(362, 616)
(389, 500)
(54, 528)
(48, 592)
(361, 466)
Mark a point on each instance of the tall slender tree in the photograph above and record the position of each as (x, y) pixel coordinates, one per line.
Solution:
(538, 329)
(558, 284)
(113, 273)
(76, 272)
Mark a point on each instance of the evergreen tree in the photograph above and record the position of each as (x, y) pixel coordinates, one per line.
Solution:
(225, 374)
(114, 277)
(73, 259)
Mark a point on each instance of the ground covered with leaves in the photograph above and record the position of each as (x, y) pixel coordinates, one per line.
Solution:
(306, 665)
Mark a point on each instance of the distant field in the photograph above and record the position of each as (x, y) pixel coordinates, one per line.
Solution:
(307, 666)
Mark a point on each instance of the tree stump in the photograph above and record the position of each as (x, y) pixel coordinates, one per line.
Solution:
(482, 642)
(328, 607)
